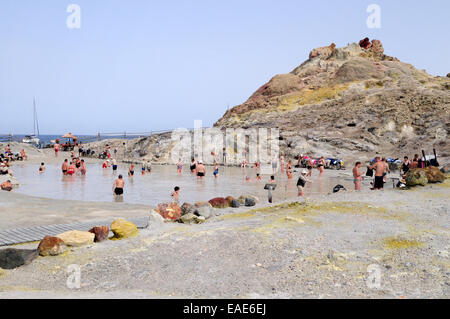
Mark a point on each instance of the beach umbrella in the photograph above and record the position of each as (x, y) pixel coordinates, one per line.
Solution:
(69, 135)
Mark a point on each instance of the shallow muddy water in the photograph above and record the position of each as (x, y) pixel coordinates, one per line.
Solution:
(156, 187)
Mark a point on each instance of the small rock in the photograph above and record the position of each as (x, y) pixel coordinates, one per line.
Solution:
(51, 246)
(101, 233)
(123, 229)
(249, 202)
(11, 258)
(77, 238)
(235, 204)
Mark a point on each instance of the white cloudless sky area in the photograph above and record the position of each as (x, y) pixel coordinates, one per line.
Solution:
(146, 65)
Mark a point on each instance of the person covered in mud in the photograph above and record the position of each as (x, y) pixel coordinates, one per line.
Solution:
(118, 186)
(6, 186)
(357, 176)
(176, 194)
(379, 173)
(201, 170)
(41, 168)
(301, 182)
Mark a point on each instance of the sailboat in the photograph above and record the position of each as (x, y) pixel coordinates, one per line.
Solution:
(33, 138)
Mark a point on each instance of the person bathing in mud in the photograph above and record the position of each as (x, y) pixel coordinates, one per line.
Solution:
(216, 170)
(176, 194)
(357, 176)
(193, 166)
(289, 169)
(83, 169)
(42, 168)
(71, 169)
(321, 166)
(118, 186)
(65, 167)
(179, 166)
(301, 182)
(201, 170)
(131, 170)
(379, 173)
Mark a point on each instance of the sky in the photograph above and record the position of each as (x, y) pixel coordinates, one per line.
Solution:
(142, 65)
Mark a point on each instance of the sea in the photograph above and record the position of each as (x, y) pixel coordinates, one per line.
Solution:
(47, 139)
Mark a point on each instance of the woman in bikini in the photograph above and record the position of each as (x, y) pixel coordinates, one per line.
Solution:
(321, 165)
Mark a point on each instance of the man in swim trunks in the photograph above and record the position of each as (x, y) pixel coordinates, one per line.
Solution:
(118, 186)
(379, 170)
(114, 164)
(65, 167)
(201, 170)
(357, 176)
(131, 170)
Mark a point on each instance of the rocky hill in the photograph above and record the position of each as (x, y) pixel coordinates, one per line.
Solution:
(351, 100)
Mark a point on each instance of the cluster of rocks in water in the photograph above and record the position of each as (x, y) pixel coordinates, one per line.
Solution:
(11, 258)
(198, 212)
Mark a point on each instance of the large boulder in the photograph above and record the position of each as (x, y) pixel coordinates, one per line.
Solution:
(101, 233)
(434, 175)
(187, 208)
(416, 176)
(11, 258)
(171, 211)
(123, 229)
(77, 238)
(205, 211)
(51, 246)
(219, 202)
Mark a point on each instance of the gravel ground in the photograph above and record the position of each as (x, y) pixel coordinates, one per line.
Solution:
(325, 247)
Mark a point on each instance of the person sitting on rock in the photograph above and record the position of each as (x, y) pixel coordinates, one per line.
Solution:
(6, 186)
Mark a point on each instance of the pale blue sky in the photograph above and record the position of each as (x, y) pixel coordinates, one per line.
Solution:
(146, 65)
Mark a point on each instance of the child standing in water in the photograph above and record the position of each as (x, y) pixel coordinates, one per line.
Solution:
(216, 170)
(176, 194)
(179, 166)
